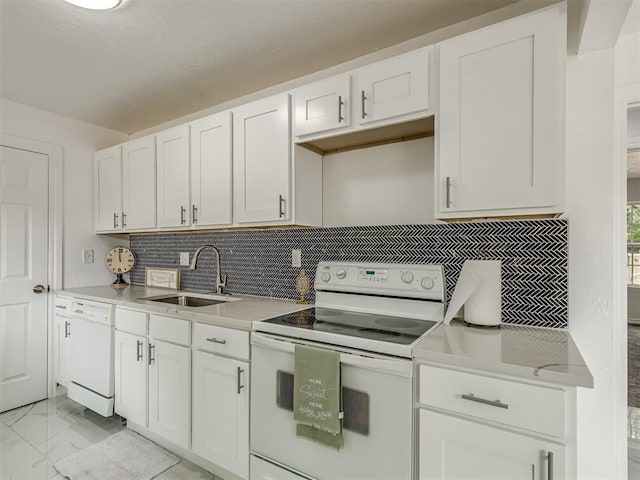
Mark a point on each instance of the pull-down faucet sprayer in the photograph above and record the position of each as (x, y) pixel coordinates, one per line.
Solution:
(221, 280)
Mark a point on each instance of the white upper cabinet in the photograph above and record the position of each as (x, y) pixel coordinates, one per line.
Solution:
(173, 177)
(262, 160)
(139, 184)
(396, 87)
(107, 173)
(499, 125)
(323, 106)
(211, 170)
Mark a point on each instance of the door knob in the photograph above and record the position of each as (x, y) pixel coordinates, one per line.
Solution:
(40, 289)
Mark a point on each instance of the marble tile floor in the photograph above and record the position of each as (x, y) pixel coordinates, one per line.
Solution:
(35, 437)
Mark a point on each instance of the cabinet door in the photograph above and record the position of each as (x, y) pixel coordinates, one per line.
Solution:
(131, 377)
(173, 177)
(139, 184)
(399, 86)
(500, 122)
(452, 448)
(170, 392)
(261, 160)
(323, 106)
(221, 411)
(107, 184)
(211, 170)
(61, 350)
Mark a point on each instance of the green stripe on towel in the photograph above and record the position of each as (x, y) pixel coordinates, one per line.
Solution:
(316, 395)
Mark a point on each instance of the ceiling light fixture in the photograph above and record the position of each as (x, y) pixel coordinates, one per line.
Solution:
(96, 4)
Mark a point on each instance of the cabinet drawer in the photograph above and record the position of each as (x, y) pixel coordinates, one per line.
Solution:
(62, 306)
(131, 321)
(532, 407)
(174, 330)
(216, 339)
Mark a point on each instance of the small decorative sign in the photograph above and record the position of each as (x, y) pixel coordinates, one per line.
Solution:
(303, 287)
(162, 277)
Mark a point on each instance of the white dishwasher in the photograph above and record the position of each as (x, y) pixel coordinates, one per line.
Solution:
(92, 377)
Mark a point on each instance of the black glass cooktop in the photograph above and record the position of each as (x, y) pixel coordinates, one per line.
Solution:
(371, 326)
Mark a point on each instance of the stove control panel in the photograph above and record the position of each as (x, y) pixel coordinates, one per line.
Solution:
(388, 279)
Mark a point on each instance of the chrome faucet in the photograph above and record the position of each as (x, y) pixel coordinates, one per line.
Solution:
(221, 280)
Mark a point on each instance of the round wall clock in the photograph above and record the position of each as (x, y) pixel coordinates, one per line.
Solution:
(120, 260)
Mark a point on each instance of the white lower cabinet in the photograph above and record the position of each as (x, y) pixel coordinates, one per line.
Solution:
(454, 448)
(170, 392)
(221, 411)
(62, 340)
(131, 374)
(195, 398)
(473, 425)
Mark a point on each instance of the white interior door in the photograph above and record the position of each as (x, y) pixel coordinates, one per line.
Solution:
(24, 235)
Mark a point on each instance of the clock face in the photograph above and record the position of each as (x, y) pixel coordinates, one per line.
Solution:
(120, 260)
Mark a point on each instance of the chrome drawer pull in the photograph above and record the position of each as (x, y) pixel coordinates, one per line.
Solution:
(151, 357)
(448, 192)
(362, 99)
(67, 331)
(215, 340)
(240, 386)
(138, 350)
(340, 104)
(493, 403)
(281, 211)
(63, 307)
(194, 212)
(550, 466)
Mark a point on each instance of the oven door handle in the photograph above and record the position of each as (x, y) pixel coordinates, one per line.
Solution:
(352, 358)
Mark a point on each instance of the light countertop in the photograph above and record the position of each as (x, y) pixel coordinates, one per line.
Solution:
(542, 354)
(239, 314)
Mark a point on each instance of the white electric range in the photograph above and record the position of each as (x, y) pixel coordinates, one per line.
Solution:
(372, 314)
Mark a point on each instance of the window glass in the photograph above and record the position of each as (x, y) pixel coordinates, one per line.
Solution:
(633, 244)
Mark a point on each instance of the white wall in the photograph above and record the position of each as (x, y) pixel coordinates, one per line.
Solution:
(590, 141)
(385, 185)
(595, 208)
(79, 140)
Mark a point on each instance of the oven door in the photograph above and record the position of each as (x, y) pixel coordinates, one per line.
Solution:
(377, 425)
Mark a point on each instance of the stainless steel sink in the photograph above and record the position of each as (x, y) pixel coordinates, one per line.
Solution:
(185, 299)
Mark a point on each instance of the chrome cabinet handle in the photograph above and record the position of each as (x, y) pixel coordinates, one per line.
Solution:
(448, 192)
(550, 466)
(240, 386)
(63, 307)
(215, 340)
(39, 289)
(124, 218)
(362, 99)
(340, 104)
(67, 330)
(182, 212)
(151, 350)
(281, 206)
(79, 311)
(115, 220)
(194, 214)
(493, 403)
(138, 350)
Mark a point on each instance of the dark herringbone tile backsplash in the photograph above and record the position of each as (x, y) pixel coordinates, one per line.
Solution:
(258, 262)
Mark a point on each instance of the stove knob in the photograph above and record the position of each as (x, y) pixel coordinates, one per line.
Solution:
(407, 277)
(427, 283)
(341, 274)
(325, 277)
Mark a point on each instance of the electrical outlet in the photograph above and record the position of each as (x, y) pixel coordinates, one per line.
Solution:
(184, 259)
(87, 255)
(296, 258)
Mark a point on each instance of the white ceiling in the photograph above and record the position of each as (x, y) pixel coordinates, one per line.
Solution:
(150, 61)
